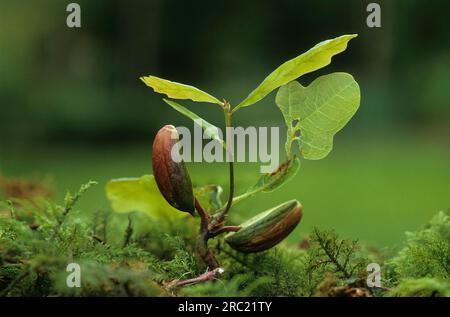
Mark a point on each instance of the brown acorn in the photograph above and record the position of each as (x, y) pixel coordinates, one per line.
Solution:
(266, 229)
(171, 177)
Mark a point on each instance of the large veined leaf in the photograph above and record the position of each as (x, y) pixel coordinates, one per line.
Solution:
(317, 57)
(269, 182)
(209, 197)
(140, 194)
(210, 130)
(178, 91)
(318, 112)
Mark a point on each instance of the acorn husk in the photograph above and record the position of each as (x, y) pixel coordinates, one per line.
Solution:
(267, 229)
(172, 177)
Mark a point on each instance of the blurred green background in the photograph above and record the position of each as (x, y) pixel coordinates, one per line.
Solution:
(71, 104)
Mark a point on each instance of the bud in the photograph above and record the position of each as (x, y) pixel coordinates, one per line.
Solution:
(266, 229)
(171, 177)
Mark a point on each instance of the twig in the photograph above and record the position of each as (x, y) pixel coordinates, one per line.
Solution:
(208, 276)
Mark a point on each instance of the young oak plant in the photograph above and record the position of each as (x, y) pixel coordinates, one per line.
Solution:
(313, 115)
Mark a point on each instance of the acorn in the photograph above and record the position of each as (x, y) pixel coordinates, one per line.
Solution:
(171, 175)
(266, 229)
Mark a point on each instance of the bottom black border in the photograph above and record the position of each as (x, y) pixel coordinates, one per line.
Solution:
(227, 305)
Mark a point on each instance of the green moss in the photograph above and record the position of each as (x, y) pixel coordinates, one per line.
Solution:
(426, 253)
(133, 255)
(424, 287)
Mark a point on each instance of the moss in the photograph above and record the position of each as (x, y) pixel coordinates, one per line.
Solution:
(426, 253)
(130, 255)
(423, 287)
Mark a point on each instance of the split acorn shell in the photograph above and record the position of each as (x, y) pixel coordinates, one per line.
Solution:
(172, 177)
(266, 229)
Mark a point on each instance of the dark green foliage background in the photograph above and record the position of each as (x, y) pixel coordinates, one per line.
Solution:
(72, 107)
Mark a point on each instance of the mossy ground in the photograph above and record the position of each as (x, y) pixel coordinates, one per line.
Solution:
(132, 255)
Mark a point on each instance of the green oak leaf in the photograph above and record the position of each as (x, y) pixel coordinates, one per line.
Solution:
(140, 194)
(178, 91)
(209, 197)
(210, 130)
(318, 112)
(317, 57)
(269, 182)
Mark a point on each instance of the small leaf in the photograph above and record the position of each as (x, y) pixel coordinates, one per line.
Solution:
(210, 130)
(321, 109)
(317, 57)
(209, 197)
(269, 182)
(272, 181)
(140, 194)
(178, 91)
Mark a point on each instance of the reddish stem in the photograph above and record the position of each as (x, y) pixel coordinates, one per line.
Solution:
(208, 276)
(224, 229)
(206, 254)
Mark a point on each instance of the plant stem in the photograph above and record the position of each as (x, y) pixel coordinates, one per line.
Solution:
(219, 217)
(227, 112)
(230, 197)
(244, 196)
(211, 227)
(250, 192)
(205, 253)
(204, 217)
(224, 229)
(202, 244)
